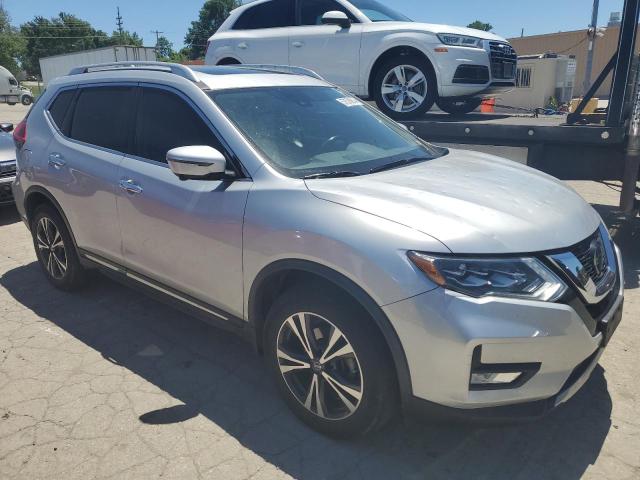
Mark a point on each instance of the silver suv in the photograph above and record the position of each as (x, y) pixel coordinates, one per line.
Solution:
(371, 269)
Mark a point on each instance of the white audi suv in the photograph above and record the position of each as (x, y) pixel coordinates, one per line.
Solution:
(372, 51)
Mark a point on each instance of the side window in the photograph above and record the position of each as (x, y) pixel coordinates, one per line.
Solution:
(166, 121)
(59, 108)
(273, 14)
(103, 117)
(311, 11)
(13, 81)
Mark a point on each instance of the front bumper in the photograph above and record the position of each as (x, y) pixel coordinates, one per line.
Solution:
(454, 83)
(440, 330)
(6, 194)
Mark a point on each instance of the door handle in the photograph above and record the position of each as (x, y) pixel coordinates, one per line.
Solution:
(56, 161)
(243, 46)
(130, 187)
(298, 44)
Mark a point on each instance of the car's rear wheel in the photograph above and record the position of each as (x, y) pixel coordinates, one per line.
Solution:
(458, 106)
(329, 362)
(55, 249)
(405, 87)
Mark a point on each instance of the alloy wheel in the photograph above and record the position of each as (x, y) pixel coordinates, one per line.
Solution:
(320, 366)
(404, 88)
(51, 247)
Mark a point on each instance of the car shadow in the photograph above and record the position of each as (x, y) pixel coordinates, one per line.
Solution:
(8, 215)
(216, 375)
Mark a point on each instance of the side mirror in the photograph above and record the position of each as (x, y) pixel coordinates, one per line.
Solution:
(336, 18)
(6, 127)
(196, 162)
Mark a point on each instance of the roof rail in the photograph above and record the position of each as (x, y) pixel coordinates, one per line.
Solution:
(286, 69)
(175, 68)
(188, 71)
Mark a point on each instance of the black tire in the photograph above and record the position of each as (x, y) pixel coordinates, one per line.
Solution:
(378, 391)
(51, 260)
(458, 107)
(430, 92)
(26, 100)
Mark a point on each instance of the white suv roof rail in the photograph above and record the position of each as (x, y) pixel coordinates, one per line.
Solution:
(263, 67)
(188, 71)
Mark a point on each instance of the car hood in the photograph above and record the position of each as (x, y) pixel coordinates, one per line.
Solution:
(472, 202)
(428, 28)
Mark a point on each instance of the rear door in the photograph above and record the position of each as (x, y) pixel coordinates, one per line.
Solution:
(329, 50)
(92, 128)
(261, 33)
(184, 234)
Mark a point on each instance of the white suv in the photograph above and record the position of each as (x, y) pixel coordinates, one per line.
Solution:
(372, 51)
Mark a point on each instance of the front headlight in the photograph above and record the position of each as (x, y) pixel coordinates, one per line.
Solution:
(460, 40)
(526, 278)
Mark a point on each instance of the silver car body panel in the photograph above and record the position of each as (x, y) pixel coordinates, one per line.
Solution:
(489, 206)
(211, 240)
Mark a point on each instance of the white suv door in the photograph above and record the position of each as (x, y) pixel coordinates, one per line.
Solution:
(261, 34)
(329, 50)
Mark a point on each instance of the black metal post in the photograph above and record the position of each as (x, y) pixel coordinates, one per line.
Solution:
(624, 62)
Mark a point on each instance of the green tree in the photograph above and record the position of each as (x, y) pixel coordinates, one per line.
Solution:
(164, 49)
(212, 14)
(127, 38)
(62, 34)
(65, 33)
(11, 44)
(478, 25)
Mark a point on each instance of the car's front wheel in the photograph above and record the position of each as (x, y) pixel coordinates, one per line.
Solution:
(26, 100)
(329, 362)
(405, 87)
(55, 249)
(458, 106)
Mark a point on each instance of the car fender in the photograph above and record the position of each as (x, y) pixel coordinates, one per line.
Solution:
(373, 47)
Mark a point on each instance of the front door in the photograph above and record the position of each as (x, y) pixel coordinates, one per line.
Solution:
(185, 234)
(329, 50)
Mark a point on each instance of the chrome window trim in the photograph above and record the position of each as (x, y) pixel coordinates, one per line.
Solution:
(574, 270)
(194, 106)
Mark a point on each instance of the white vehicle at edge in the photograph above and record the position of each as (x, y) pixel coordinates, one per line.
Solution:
(372, 51)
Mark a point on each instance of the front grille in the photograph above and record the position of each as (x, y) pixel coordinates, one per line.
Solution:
(471, 74)
(6, 195)
(503, 60)
(593, 257)
(7, 169)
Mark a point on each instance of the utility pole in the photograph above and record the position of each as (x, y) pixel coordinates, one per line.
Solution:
(119, 24)
(157, 32)
(592, 33)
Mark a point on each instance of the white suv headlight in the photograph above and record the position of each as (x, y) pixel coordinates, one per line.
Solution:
(460, 40)
(526, 278)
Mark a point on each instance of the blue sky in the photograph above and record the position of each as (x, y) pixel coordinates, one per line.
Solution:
(173, 17)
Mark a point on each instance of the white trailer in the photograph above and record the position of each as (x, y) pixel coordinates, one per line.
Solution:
(59, 65)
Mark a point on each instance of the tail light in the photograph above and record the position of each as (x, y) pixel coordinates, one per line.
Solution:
(20, 133)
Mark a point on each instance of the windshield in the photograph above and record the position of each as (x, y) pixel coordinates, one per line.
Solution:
(307, 131)
(376, 12)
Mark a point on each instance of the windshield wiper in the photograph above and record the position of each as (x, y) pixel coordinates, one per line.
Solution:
(336, 174)
(397, 164)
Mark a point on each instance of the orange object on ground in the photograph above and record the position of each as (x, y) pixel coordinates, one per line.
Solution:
(488, 105)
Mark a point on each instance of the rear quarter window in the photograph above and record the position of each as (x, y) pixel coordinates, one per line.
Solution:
(60, 109)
